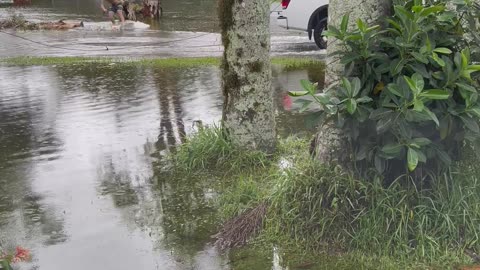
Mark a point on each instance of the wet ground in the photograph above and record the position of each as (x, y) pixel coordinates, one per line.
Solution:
(78, 183)
(187, 29)
(79, 143)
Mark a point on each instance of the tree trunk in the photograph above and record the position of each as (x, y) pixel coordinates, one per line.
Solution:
(329, 144)
(248, 110)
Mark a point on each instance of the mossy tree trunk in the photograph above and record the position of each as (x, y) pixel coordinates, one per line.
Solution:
(248, 110)
(329, 145)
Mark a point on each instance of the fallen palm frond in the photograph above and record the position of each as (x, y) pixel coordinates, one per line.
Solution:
(237, 231)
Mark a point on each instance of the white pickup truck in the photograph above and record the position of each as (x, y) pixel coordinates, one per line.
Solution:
(306, 15)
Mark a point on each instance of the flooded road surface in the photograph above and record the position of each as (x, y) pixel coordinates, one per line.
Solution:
(78, 184)
(187, 29)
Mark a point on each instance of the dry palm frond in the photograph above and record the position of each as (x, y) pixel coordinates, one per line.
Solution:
(237, 231)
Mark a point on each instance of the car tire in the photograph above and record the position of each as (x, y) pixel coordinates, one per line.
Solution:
(317, 34)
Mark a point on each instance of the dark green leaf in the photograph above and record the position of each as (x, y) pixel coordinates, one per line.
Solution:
(324, 98)
(476, 111)
(470, 123)
(421, 141)
(397, 66)
(384, 124)
(403, 13)
(372, 28)
(443, 50)
(306, 104)
(432, 9)
(298, 93)
(332, 32)
(379, 164)
(356, 86)
(415, 83)
(432, 116)
(445, 127)
(421, 69)
(308, 86)
(364, 99)
(349, 58)
(344, 24)
(421, 156)
(361, 25)
(437, 59)
(412, 158)
(417, 8)
(361, 153)
(444, 157)
(394, 89)
(420, 57)
(380, 113)
(435, 94)
(392, 149)
(351, 106)
(473, 68)
(465, 57)
(418, 105)
(348, 86)
(467, 87)
(395, 24)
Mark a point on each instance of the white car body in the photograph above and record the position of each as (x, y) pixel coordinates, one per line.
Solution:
(303, 15)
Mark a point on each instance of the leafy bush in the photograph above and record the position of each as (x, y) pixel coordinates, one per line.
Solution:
(407, 99)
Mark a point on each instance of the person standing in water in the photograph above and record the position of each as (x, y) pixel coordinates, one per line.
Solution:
(115, 8)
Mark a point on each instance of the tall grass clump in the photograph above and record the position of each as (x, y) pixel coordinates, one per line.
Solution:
(327, 209)
(211, 149)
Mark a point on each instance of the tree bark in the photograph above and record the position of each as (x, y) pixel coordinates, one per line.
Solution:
(330, 145)
(248, 110)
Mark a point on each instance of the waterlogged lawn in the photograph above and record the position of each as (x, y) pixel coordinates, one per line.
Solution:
(321, 218)
(286, 63)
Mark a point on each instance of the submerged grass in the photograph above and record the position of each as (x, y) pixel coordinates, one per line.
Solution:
(314, 209)
(287, 63)
(210, 148)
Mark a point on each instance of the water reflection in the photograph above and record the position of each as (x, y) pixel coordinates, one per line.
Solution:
(172, 127)
(77, 178)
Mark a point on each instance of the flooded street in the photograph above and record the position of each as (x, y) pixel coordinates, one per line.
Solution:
(186, 29)
(78, 181)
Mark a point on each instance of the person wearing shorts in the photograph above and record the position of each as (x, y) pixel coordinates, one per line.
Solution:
(116, 8)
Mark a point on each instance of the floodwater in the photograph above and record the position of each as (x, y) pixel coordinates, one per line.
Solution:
(79, 144)
(188, 28)
(78, 184)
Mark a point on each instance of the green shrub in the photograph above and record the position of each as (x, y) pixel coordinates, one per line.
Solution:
(411, 100)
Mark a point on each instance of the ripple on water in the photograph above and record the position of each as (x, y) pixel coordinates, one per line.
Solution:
(76, 172)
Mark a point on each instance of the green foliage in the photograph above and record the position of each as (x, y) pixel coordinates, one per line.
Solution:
(407, 98)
